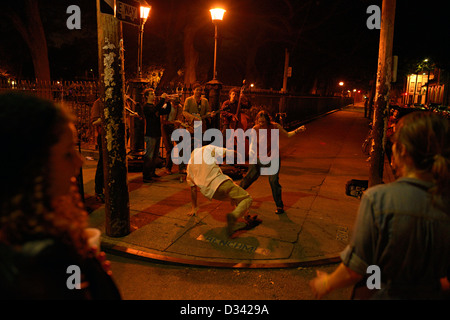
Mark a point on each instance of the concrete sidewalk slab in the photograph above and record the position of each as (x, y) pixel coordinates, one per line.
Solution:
(316, 227)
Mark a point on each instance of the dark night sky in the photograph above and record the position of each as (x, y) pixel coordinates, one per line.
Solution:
(340, 47)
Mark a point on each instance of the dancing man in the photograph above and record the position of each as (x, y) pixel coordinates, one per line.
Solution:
(264, 123)
(204, 173)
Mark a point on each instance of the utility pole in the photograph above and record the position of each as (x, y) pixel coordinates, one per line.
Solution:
(286, 68)
(383, 86)
(112, 88)
(282, 105)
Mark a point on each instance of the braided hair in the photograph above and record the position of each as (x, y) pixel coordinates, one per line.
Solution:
(30, 127)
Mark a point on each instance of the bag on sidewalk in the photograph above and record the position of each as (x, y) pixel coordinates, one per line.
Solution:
(355, 188)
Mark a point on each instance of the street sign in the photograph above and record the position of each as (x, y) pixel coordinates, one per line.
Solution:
(128, 11)
(124, 10)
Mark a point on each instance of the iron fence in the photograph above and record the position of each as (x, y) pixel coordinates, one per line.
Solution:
(77, 96)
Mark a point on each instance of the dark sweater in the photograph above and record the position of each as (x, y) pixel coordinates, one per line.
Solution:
(152, 115)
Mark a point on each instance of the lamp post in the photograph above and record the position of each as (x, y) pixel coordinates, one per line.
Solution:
(341, 84)
(214, 86)
(144, 11)
(136, 90)
(216, 15)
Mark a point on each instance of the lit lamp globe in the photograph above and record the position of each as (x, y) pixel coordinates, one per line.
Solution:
(145, 11)
(217, 14)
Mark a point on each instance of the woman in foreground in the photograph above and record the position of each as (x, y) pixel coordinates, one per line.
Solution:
(43, 245)
(403, 228)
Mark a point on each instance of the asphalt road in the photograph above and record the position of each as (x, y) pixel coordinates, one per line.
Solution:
(154, 280)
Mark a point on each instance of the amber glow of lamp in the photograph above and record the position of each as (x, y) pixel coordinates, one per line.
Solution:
(216, 15)
(144, 13)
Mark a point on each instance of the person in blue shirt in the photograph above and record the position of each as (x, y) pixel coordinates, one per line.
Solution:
(403, 228)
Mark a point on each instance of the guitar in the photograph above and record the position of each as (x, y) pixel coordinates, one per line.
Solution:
(189, 126)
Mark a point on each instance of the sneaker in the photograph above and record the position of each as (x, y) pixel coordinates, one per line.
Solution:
(167, 171)
(279, 211)
(147, 180)
(249, 218)
(252, 221)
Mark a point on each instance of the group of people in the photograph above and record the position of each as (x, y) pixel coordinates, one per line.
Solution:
(163, 117)
(205, 174)
(403, 227)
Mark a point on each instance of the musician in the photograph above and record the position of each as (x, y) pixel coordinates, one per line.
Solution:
(196, 107)
(152, 138)
(228, 112)
(169, 123)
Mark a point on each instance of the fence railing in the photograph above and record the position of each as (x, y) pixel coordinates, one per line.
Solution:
(79, 97)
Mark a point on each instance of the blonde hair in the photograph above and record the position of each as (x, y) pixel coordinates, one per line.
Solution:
(426, 136)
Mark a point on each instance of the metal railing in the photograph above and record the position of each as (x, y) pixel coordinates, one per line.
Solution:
(77, 96)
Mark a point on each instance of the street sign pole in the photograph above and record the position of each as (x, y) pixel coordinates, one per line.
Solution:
(112, 85)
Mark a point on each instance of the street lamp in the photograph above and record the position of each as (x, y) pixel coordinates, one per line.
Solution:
(136, 90)
(216, 15)
(341, 84)
(144, 11)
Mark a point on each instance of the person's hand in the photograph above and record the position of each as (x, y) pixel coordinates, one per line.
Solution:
(101, 256)
(319, 285)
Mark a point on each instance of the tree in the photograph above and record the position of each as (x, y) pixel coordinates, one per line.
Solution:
(25, 16)
(252, 40)
(179, 27)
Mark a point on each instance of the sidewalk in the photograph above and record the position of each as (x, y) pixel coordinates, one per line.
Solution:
(316, 227)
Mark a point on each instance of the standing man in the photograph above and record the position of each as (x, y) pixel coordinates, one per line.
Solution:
(196, 107)
(96, 120)
(264, 127)
(152, 136)
(168, 123)
(204, 173)
(228, 112)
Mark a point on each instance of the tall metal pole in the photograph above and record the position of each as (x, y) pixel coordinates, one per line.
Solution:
(383, 86)
(141, 38)
(215, 50)
(282, 103)
(112, 88)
